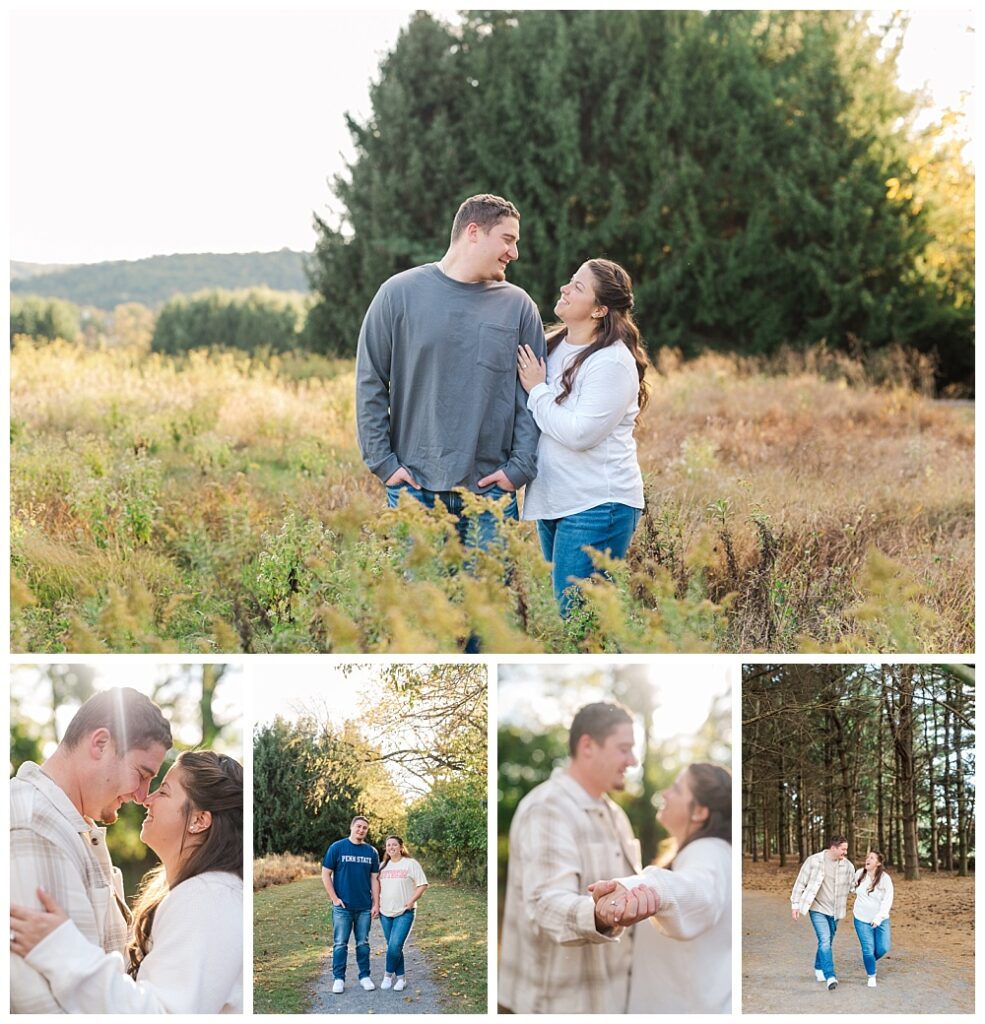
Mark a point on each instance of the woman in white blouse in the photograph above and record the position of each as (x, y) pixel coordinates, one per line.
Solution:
(683, 964)
(402, 883)
(873, 890)
(185, 953)
(585, 399)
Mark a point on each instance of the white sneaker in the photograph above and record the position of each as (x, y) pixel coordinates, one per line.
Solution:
(387, 982)
(832, 983)
(367, 983)
(338, 986)
(819, 974)
(399, 984)
(872, 981)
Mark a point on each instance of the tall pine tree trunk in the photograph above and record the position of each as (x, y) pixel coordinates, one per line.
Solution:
(904, 743)
(845, 775)
(766, 829)
(931, 748)
(802, 822)
(947, 786)
(963, 823)
(880, 811)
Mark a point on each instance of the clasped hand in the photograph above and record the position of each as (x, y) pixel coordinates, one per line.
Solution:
(615, 905)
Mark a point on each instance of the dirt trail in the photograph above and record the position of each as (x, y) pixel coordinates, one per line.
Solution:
(778, 969)
(420, 996)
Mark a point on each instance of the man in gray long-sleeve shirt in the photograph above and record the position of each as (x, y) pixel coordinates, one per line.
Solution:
(438, 404)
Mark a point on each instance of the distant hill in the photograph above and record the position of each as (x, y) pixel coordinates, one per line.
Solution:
(19, 269)
(154, 280)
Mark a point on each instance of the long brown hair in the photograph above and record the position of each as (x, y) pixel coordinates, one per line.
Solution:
(213, 783)
(711, 787)
(877, 877)
(386, 856)
(613, 289)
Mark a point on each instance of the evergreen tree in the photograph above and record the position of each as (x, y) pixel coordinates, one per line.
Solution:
(43, 318)
(740, 164)
(408, 172)
(250, 319)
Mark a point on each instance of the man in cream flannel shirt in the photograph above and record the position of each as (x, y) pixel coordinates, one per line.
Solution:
(567, 834)
(821, 890)
(110, 753)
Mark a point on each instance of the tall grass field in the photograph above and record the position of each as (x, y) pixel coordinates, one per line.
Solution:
(217, 502)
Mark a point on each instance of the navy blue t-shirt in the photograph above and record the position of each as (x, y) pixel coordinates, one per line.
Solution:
(352, 864)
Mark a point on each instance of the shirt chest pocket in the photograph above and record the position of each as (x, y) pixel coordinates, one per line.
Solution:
(497, 347)
(604, 859)
(101, 897)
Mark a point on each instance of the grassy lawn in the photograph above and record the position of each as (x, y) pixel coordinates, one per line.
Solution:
(291, 929)
(292, 925)
(451, 931)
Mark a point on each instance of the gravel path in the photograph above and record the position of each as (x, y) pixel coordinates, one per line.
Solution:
(420, 996)
(778, 970)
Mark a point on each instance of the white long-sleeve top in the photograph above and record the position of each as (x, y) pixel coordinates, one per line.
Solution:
(683, 964)
(873, 907)
(195, 963)
(586, 455)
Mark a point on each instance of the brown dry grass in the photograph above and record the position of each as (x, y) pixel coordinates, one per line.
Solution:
(281, 868)
(777, 492)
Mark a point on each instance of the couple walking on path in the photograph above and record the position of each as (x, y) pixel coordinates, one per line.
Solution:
(821, 891)
(458, 390)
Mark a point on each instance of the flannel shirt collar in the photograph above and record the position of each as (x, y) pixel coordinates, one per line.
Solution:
(32, 774)
(583, 799)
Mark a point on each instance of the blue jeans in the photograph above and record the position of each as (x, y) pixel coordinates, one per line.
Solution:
(824, 929)
(480, 531)
(608, 527)
(344, 921)
(395, 931)
(875, 943)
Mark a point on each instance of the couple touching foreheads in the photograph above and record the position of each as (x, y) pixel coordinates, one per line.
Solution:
(75, 945)
(584, 929)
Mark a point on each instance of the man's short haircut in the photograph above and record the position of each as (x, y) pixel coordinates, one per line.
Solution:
(358, 817)
(133, 721)
(598, 721)
(485, 210)
(836, 841)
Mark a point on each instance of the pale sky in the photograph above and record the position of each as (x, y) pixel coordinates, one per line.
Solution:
(684, 687)
(292, 687)
(30, 691)
(135, 134)
(298, 685)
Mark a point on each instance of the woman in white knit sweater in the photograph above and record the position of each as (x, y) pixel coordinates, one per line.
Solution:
(585, 399)
(873, 890)
(185, 953)
(683, 963)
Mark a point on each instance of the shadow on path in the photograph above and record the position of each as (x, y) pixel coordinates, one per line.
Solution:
(420, 996)
(778, 969)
